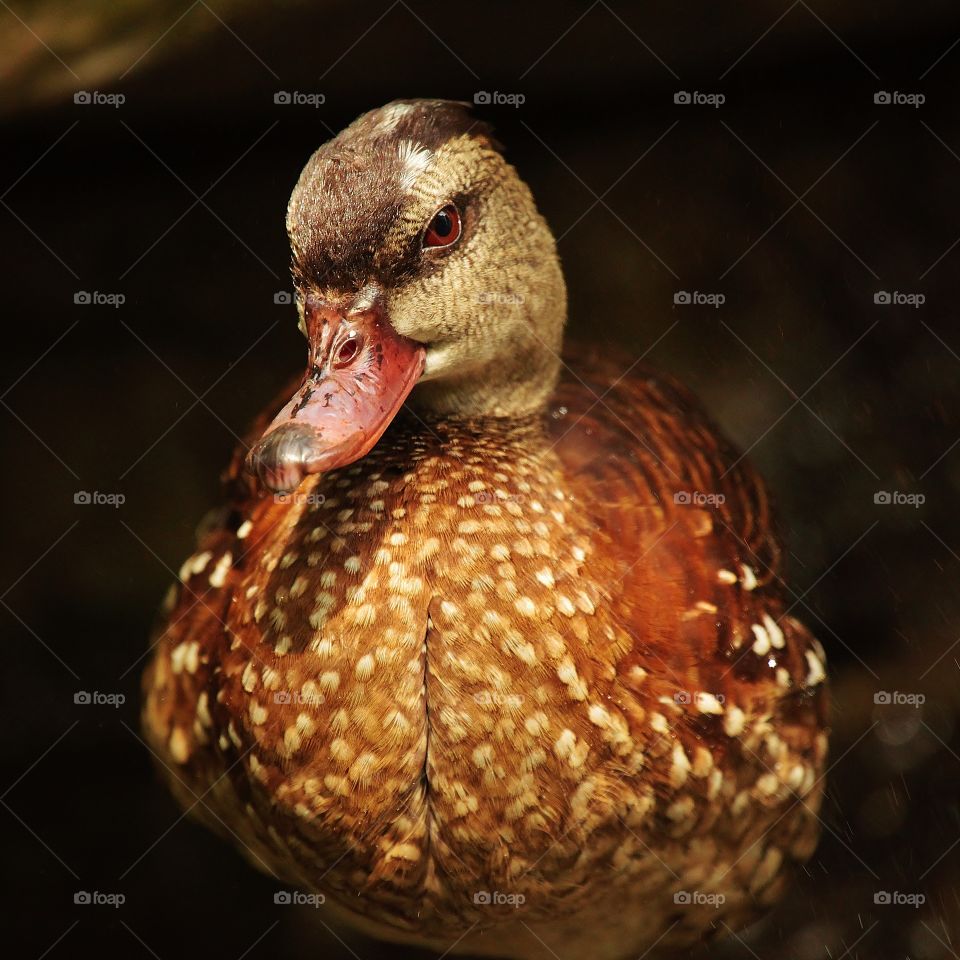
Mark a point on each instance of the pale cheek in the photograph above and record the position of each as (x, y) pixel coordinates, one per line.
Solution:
(431, 312)
(442, 360)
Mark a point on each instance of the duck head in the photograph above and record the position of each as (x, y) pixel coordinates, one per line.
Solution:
(423, 271)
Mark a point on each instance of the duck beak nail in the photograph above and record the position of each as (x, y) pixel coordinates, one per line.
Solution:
(360, 371)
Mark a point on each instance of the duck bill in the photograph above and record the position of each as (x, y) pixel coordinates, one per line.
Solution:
(360, 372)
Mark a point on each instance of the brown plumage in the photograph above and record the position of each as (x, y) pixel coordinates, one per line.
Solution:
(520, 677)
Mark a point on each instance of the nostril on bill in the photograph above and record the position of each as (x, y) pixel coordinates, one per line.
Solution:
(283, 457)
(347, 352)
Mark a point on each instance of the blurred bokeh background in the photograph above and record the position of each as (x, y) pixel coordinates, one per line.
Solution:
(143, 181)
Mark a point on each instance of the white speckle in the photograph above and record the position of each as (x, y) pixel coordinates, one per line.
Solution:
(364, 668)
(219, 575)
(708, 703)
(749, 578)
(726, 576)
(203, 710)
(733, 722)
(179, 746)
(773, 628)
(817, 674)
(195, 565)
(680, 766)
(680, 809)
(526, 606)
(249, 678)
(185, 656)
(761, 646)
(545, 576)
(598, 715)
(768, 784)
(565, 743)
(243, 531)
(565, 606)
(448, 609)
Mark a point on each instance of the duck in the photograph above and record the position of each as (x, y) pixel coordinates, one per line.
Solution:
(488, 646)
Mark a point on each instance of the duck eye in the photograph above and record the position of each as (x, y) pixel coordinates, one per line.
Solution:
(444, 228)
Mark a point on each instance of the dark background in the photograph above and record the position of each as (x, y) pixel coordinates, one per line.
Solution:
(798, 199)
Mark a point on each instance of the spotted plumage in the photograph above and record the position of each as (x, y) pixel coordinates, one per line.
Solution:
(515, 680)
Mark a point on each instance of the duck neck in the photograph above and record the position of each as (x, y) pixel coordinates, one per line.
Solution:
(515, 386)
